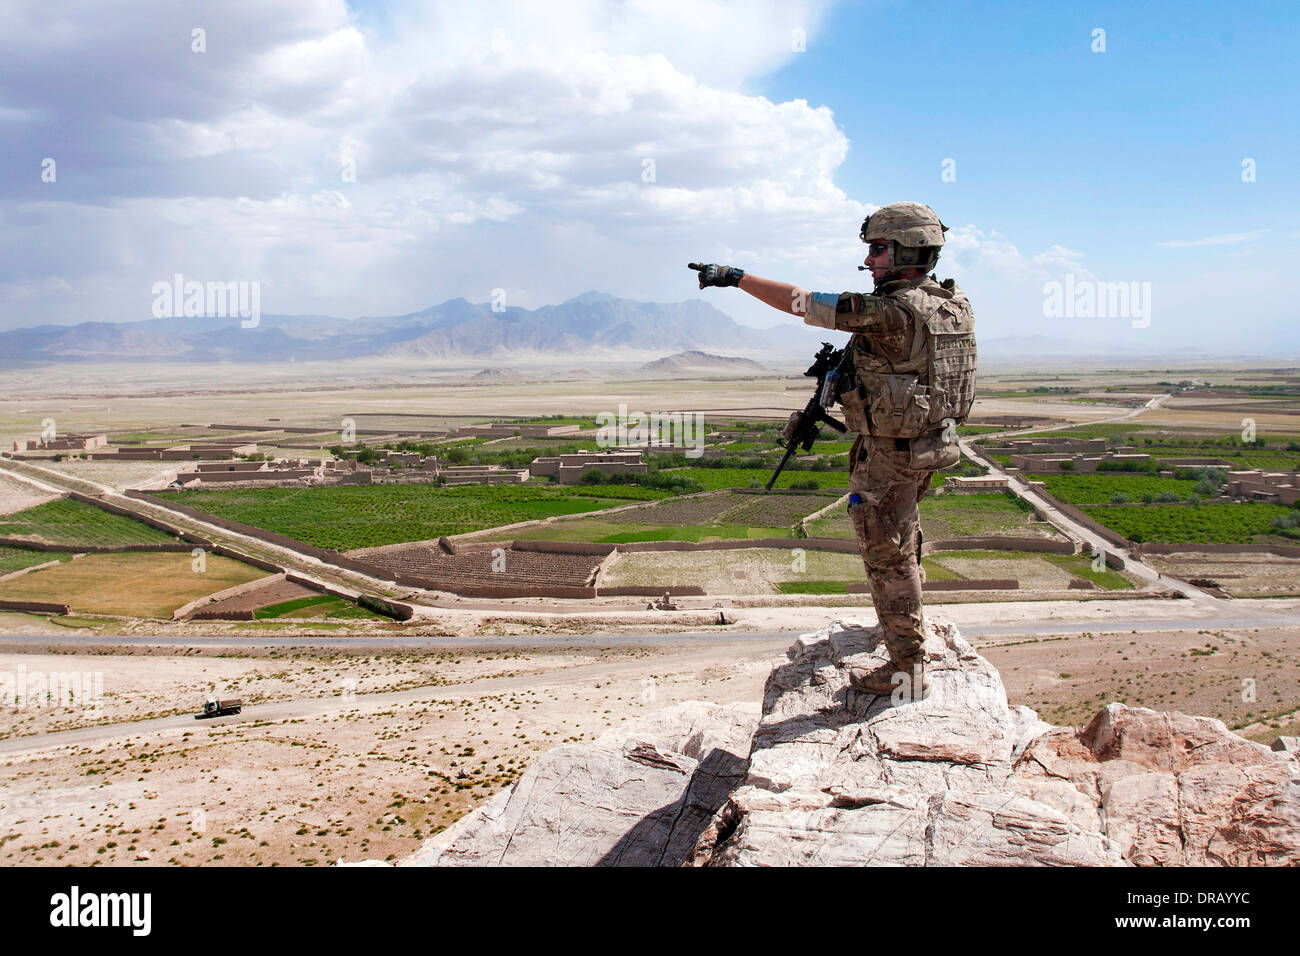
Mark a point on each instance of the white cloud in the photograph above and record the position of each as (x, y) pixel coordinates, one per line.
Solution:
(1223, 240)
(495, 145)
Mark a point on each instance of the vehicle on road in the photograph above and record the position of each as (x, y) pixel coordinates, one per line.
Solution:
(212, 707)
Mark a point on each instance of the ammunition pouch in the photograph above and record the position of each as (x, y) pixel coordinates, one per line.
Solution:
(854, 405)
(931, 453)
(898, 405)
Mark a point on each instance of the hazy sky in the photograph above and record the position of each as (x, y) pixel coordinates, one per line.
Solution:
(377, 158)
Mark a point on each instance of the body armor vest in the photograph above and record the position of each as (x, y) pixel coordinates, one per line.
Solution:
(913, 395)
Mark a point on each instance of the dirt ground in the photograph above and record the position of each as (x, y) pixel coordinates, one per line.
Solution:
(370, 777)
(367, 779)
(19, 495)
(120, 475)
(1212, 673)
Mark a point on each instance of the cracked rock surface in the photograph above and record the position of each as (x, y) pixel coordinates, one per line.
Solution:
(638, 795)
(828, 775)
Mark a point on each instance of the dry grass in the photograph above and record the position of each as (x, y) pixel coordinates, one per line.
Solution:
(137, 584)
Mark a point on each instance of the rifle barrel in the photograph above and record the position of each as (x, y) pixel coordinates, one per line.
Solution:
(789, 450)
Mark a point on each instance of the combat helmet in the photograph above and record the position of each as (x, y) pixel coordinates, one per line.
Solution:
(914, 230)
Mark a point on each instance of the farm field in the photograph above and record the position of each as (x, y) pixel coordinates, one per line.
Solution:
(364, 516)
(431, 567)
(1098, 489)
(971, 515)
(136, 584)
(715, 516)
(1034, 571)
(15, 559)
(713, 479)
(321, 606)
(71, 522)
(609, 532)
(1213, 523)
(1238, 459)
(743, 571)
(956, 516)
(778, 570)
(120, 475)
(1240, 575)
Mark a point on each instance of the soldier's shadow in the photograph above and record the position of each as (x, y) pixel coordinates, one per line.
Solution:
(666, 836)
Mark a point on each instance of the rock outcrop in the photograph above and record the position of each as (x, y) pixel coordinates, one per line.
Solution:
(639, 795)
(828, 775)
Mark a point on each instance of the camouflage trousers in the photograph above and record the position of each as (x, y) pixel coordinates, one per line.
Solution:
(888, 527)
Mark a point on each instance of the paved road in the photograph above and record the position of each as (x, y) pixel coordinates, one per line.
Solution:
(753, 647)
(695, 647)
(1084, 617)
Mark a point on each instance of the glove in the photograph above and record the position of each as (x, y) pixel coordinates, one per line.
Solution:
(791, 428)
(717, 275)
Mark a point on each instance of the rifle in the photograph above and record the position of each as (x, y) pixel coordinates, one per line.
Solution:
(826, 369)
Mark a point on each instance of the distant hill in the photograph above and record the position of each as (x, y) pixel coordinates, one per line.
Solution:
(695, 361)
(497, 375)
(593, 322)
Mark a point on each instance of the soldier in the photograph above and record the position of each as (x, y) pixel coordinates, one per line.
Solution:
(911, 381)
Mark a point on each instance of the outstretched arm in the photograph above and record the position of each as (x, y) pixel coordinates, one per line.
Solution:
(779, 295)
(846, 312)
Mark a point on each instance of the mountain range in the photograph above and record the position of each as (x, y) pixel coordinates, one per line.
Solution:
(455, 329)
(594, 324)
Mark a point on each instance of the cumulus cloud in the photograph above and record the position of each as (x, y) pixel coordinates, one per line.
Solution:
(369, 166)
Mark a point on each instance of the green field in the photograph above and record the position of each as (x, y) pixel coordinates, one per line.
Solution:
(15, 559)
(1220, 523)
(364, 516)
(321, 606)
(1080, 565)
(622, 533)
(953, 516)
(1239, 459)
(967, 515)
(812, 587)
(1099, 488)
(71, 522)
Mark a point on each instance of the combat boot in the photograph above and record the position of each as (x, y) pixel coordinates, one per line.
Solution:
(883, 680)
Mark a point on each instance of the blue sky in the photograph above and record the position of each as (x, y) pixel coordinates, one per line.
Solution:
(502, 144)
(1110, 151)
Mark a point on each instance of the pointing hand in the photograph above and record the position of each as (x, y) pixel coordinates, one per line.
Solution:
(716, 275)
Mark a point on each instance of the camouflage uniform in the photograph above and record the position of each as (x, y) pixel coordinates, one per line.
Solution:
(886, 471)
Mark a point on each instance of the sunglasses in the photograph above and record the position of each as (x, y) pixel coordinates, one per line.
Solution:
(877, 248)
